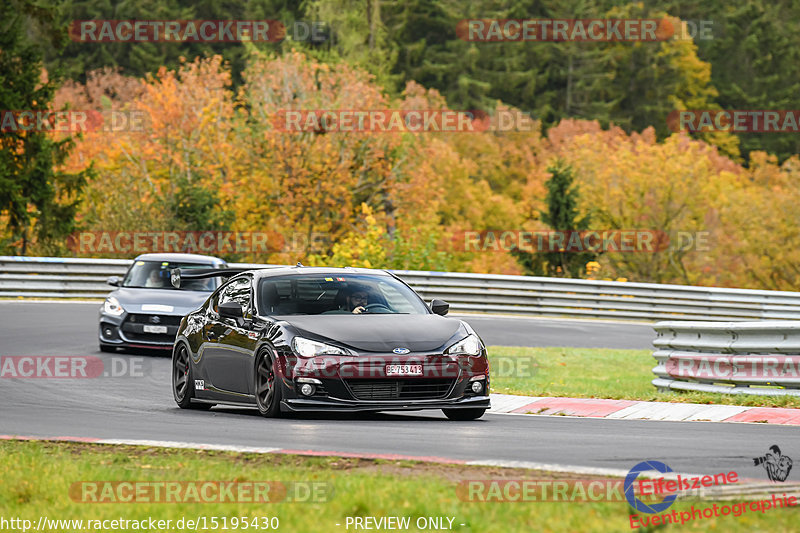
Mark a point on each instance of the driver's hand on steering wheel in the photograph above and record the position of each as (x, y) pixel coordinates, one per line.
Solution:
(358, 310)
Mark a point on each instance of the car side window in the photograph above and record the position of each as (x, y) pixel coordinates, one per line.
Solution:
(397, 302)
(237, 291)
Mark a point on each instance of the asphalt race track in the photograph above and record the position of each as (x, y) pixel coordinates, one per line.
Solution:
(141, 407)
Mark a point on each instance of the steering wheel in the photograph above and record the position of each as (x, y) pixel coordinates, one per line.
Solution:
(371, 308)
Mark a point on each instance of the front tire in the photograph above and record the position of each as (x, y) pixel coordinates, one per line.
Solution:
(107, 348)
(182, 380)
(267, 385)
(464, 414)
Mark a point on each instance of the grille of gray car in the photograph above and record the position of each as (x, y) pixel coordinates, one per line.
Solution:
(161, 320)
(134, 325)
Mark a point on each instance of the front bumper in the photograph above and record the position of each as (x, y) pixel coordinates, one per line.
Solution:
(361, 383)
(338, 405)
(127, 331)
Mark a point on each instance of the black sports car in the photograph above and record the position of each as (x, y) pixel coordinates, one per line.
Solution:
(337, 339)
(145, 310)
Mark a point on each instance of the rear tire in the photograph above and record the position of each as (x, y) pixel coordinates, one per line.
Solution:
(267, 386)
(183, 382)
(464, 414)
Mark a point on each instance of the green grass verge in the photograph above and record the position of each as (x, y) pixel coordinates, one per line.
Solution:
(36, 480)
(597, 373)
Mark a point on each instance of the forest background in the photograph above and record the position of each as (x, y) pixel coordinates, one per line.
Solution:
(600, 155)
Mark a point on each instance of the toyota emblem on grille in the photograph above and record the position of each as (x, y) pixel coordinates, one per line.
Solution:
(155, 319)
(401, 351)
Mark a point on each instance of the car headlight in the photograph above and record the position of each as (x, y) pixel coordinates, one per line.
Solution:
(113, 307)
(469, 345)
(308, 348)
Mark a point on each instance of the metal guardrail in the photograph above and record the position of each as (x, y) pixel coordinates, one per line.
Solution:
(761, 358)
(489, 293)
(53, 277)
(58, 277)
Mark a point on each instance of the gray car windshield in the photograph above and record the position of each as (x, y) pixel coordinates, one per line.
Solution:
(155, 275)
(328, 294)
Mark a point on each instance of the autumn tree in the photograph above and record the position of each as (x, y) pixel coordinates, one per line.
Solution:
(210, 157)
(635, 182)
(759, 246)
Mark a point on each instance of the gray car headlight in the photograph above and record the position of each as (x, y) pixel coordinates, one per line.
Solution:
(113, 307)
(469, 345)
(308, 348)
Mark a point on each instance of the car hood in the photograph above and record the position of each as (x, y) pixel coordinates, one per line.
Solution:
(381, 333)
(160, 301)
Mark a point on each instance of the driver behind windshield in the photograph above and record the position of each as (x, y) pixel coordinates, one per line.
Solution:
(154, 280)
(357, 298)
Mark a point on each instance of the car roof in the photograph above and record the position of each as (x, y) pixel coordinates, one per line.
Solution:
(191, 258)
(299, 270)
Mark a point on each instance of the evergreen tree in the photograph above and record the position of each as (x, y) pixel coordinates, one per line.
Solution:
(37, 201)
(358, 35)
(561, 215)
(196, 208)
(141, 58)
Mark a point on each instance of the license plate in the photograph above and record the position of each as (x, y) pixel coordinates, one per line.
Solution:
(155, 329)
(403, 370)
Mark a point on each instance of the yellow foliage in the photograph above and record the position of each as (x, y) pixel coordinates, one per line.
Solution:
(362, 247)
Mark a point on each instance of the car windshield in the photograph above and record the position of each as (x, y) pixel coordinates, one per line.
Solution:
(155, 275)
(326, 294)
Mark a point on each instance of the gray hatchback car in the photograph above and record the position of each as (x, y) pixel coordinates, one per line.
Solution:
(145, 310)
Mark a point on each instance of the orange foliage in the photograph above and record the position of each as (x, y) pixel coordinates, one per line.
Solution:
(421, 187)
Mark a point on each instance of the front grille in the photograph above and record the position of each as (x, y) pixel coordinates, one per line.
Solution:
(399, 389)
(158, 338)
(133, 327)
(162, 320)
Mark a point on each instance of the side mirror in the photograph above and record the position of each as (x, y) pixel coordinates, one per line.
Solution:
(113, 281)
(440, 307)
(230, 310)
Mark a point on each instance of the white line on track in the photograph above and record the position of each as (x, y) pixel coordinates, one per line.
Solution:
(527, 465)
(190, 445)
